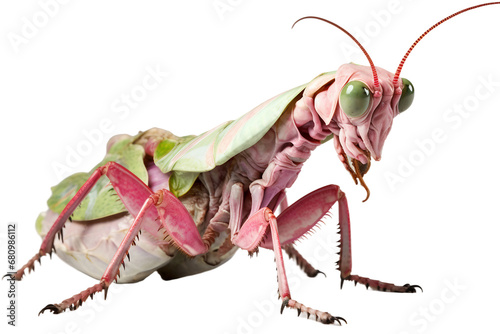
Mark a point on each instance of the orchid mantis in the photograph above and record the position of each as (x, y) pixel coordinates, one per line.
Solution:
(205, 196)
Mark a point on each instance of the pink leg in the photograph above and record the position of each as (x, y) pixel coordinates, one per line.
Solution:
(292, 252)
(308, 269)
(345, 262)
(304, 214)
(112, 271)
(48, 241)
(249, 237)
(299, 218)
(146, 207)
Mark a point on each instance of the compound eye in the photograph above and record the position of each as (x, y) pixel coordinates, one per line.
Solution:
(406, 96)
(355, 99)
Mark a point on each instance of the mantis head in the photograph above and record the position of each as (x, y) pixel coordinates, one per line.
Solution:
(364, 101)
(362, 113)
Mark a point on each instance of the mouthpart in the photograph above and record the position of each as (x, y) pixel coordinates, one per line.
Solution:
(358, 167)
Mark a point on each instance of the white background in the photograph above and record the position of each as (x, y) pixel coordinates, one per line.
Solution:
(438, 226)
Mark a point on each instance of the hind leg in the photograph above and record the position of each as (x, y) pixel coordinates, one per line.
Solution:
(152, 212)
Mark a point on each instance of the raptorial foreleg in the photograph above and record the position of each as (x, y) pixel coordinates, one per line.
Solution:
(303, 215)
(290, 250)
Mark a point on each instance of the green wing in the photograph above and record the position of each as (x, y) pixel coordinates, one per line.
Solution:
(185, 157)
(186, 160)
(102, 200)
(202, 153)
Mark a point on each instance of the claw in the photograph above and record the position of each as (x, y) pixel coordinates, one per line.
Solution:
(333, 319)
(11, 276)
(54, 308)
(285, 303)
(319, 272)
(412, 288)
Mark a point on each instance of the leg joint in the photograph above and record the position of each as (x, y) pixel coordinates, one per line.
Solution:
(157, 197)
(269, 215)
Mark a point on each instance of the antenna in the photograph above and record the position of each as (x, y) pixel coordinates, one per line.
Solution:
(375, 76)
(398, 71)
